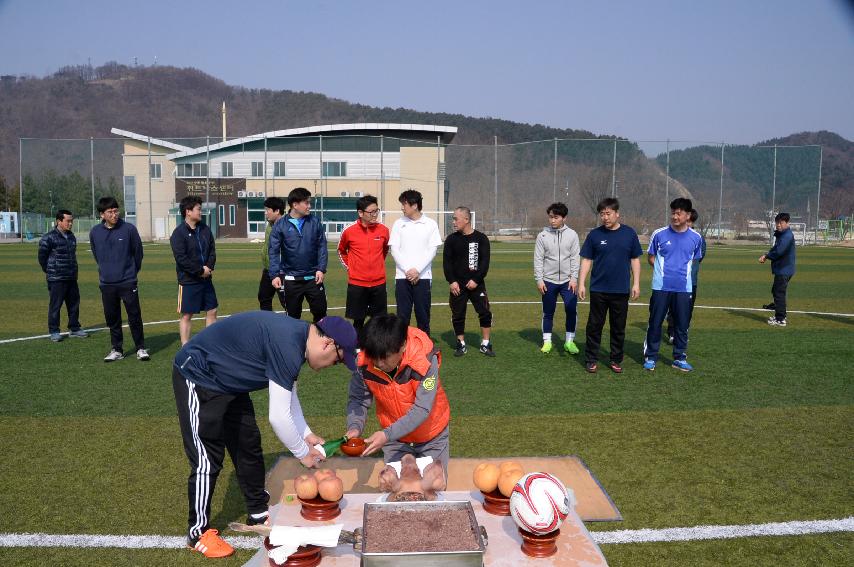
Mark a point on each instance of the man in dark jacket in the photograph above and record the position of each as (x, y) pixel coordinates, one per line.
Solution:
(782, 256)
(58, 259)
(195, 257)
(466, 261)
(298, 256)
(117, 249)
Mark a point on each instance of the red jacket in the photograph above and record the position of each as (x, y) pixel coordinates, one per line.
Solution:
(362, 250)
(395, 395)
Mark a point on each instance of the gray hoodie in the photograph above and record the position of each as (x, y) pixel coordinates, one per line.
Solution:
(556, 257)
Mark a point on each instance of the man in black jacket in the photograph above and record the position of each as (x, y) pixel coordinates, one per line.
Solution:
(58, 259)
(195, 257)
(466, 262)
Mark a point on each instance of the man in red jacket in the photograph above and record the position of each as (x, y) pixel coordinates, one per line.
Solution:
(362, 250)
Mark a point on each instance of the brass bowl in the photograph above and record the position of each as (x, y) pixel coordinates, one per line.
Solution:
(353, 447)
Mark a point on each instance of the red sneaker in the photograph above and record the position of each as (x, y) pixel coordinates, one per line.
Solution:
(212, 546)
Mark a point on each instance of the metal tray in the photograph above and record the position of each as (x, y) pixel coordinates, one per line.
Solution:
(423, 558)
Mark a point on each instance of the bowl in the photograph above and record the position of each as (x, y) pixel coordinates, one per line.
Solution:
(353, 447)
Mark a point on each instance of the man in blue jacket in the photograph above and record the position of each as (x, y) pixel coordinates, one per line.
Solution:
(58, 259)
(298, 256)
(195, 257)
(118, 252)
(782, 256)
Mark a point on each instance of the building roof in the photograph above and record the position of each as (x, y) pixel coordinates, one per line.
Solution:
(146, 139)
(447, 133)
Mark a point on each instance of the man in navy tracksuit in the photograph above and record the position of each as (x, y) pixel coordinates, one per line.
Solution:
(58, 259)
(298, 256)
(782, 256)
(118, 252)
(195, 257)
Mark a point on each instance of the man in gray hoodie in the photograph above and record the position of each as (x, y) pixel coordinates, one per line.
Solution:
(556, 263)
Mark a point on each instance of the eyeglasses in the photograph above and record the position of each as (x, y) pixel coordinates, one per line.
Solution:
(340, 356)
(373, 213)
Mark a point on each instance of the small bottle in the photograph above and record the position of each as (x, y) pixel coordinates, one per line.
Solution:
(331, 447)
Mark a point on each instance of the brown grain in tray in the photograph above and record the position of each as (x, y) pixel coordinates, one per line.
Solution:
(407, 531)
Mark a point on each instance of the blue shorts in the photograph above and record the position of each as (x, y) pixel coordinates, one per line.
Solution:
(196, 298)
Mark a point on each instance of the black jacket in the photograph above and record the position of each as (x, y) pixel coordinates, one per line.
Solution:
(192, 249)
(58, 255)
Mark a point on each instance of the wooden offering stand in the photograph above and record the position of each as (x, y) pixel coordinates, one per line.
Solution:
(304, 556)
(318, 509)
(534, 545)
(496, 503)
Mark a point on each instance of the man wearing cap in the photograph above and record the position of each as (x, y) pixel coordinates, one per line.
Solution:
(212, 377)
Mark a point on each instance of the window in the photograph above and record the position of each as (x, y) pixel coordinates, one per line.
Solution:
(255, 216)
(278, 169)
(221, 215)
(335, 169)
(232, 214)
(192, 170)
(130, 195)
(154, 171)
(227, 169)
(257, 169)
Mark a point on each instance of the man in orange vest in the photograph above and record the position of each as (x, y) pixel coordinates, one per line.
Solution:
(398, 367)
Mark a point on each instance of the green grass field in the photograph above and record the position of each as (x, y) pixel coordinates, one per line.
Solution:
(762, 431)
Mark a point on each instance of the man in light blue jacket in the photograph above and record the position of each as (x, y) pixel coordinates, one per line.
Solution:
(556, 264)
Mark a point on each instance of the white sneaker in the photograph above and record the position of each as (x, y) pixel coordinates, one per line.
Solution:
(775, 323)
(113, 356)
(142, 354)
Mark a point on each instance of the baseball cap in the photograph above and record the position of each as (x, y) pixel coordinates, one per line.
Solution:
(344, 335)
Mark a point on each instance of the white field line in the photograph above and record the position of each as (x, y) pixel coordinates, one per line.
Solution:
(174, 321)
(695, 533)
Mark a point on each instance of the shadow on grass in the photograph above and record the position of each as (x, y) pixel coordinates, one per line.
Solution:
(163, 341)
(835, 319)
(751, 315)
(534, 336)
(233, 504)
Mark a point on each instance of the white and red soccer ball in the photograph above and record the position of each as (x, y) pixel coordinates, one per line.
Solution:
(540, 503)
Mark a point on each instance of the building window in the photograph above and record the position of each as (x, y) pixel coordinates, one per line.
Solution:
(192, 170)
(255, 216)
(335, 169)
(227, 169)
(232, 214)
(278, 169)
(154, 171)
(221, 215)
(130, 195)
(257, 169)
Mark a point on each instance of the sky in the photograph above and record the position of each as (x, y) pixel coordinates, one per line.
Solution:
(739, 71)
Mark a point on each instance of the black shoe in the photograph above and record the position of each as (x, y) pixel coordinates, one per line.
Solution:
(591, 367)
(460, 349)
(264, 520)
(768, 306)
(487, 349)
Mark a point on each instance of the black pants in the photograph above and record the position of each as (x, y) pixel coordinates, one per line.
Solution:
(266, 291)
(419, 295)
(459, 304)
(112, 296)
(616, 307)
(315, 295)
(210, 424)
(365, 301)
(65, 291)
(778, 291)
(670, 326)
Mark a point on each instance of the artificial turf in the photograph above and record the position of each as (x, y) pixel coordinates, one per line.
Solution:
(760, 432)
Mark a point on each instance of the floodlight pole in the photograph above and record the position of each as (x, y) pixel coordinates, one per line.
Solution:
(818, 196)
(495, 181)
(774, 182)
(667, 184)
(382, 173)
(150, 207)
(265, 167)
(208, 170)
(554, 179)
(614, 171)
(21, 188)
(721, 197)
(92, 171)
(439, 206)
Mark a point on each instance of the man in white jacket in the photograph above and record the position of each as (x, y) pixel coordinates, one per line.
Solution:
(556, 263)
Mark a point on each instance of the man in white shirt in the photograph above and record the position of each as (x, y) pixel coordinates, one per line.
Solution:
(413, 244)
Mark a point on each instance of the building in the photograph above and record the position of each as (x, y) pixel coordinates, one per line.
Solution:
(337, 163)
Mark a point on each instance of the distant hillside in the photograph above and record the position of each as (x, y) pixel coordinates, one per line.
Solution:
(82, 102)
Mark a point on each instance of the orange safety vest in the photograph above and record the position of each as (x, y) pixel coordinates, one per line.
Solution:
(395, 395)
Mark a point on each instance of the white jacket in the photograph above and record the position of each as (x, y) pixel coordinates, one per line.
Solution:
(556, 255)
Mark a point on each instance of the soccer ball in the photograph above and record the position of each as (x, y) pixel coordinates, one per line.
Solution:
(540, 503)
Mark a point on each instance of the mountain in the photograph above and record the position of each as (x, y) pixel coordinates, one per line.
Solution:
(82, 102)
